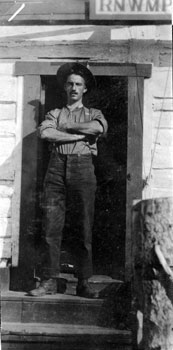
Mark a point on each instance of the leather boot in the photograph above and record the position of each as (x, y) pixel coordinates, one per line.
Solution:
(46, 287)
(85, 290)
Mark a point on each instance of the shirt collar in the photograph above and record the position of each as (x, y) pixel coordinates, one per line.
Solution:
(70, 108)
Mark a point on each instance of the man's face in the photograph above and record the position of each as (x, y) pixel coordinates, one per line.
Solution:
(75, 88)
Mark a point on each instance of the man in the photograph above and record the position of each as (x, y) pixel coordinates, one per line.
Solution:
(73, 132)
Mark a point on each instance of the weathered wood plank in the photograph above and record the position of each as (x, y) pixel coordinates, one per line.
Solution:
(134, 157)
(83, 333)
(147, 130)
(163, 158)
(163, 119)
(4, 7)
(163, 32)
(5, 278)
(16, 199)
(163, 137)
(7, 128)
(6, 189)
(162, 178)
(141, 32)
(97, 68)
(162, 192)
(149, 51)
(133, 70)
(5, 207)
(49, 10)
(8, 88)
(123, 51)
(7, 145)
(5, 248)
(165, 59)
(7, 111)
(106, 33)
(162, 82)
(5, 227)
(7, 169)
(6, 68)
(163, 104)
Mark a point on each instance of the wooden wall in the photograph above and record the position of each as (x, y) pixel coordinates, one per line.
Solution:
(10, 161)
(158, 134)
(120, 44)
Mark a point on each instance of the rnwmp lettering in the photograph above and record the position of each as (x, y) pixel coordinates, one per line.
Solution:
(131, 6)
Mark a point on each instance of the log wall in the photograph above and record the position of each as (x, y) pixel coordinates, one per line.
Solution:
(120, 44)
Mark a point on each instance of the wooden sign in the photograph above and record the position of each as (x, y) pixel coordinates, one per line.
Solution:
(135, 10)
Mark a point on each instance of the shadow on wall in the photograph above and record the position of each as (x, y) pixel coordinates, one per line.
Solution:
(30, 240)
(30, 226)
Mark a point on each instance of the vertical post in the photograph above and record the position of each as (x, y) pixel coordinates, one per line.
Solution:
(134, 158)
(16, 199)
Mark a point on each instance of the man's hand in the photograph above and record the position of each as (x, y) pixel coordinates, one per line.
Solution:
(67, 127)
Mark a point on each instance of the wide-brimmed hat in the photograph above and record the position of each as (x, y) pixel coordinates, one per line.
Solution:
(75, 68)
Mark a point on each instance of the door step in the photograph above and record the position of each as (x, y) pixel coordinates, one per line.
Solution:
(65, 308)
(38, 336)
(58, 308)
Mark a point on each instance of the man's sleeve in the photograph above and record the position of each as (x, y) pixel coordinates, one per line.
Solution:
(96, 114)
(49, 122)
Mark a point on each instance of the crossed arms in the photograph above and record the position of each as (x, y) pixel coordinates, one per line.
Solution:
(70, 132)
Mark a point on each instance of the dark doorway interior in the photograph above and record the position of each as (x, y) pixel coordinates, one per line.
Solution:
(110, 207)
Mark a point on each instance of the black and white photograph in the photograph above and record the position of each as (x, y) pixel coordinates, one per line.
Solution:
(86, 175)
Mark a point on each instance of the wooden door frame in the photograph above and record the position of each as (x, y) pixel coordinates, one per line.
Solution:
(136, 73)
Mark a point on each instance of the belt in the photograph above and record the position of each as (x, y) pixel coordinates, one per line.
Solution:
(74, 155)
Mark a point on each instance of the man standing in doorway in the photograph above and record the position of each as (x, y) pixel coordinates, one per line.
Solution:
(73, 132)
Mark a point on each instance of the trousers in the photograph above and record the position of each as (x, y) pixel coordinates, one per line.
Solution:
(69, 189)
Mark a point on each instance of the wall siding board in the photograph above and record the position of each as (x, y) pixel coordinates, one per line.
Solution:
(7, 128)
(162, 192)
(162, 82)
(163, 105)
(163, 119)
(163, 137)
(5, 248)
(7, 169)
(7, 111)
(106, 33)
(126, 51)
(163, 178)
(6, 189)
(5, 227)
(7, 145)
(7, 68)
(163, 158)
(5, 207)
(48, 10)
(8, 88)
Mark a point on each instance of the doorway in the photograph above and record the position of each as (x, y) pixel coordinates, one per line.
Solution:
(111, 96)
(120, 95)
